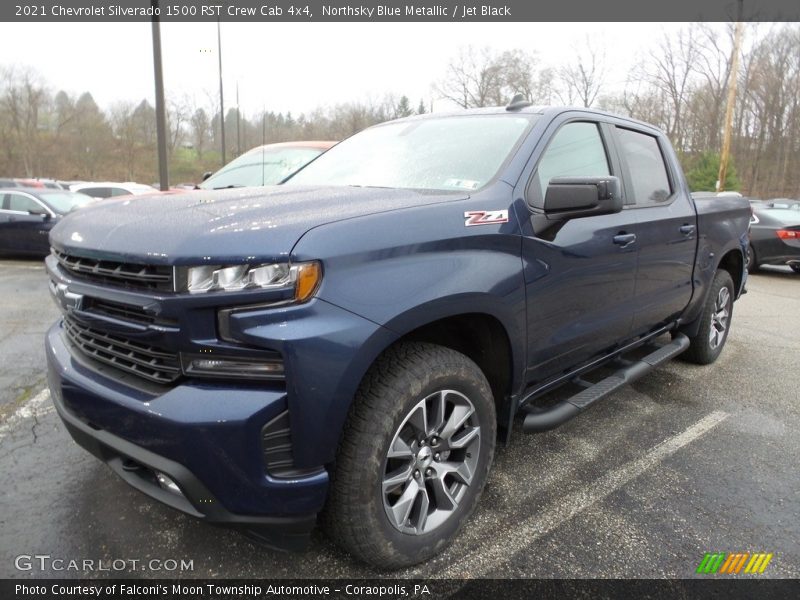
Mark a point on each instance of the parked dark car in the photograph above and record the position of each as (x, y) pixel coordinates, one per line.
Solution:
(28, 214)
(356, 342)
(265, 165)
(774, 234)
(782, 203)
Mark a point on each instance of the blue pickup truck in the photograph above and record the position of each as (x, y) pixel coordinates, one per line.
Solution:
(350, 347)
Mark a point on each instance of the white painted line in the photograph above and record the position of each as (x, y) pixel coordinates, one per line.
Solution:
(519, 538)
(37, 406)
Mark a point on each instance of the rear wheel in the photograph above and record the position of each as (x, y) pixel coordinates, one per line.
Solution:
(715, 321)
(795, 268)
(414, 457)
(752, 263)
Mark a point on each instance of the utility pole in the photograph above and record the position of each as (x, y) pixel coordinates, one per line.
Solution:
(238, 122)
(161, 116)
(732, 81)
(221, 98)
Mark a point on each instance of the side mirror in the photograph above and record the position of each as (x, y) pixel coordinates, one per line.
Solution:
(207, 174)
(573, 197)
(42, 213)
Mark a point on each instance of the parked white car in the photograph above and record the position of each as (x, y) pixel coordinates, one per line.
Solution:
(108, 189)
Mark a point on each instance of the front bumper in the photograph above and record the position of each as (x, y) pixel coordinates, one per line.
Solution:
(205, 437)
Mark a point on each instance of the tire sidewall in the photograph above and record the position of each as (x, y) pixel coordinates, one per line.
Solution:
(752, 267)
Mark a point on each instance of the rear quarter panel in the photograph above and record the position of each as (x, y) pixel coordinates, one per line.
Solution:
(723, 225)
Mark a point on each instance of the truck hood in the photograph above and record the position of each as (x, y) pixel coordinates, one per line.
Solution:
(221, 225)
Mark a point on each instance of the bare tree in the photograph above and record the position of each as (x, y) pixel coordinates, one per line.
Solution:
(670, 70)
(200, 127)
(127, 137)
(178, 114)
(582, 78)
(482, 77)
(24, 98)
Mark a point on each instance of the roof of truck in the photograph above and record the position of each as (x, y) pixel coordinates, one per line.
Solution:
(529, 110)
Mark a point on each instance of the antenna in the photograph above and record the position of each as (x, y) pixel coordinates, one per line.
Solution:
(517, 102)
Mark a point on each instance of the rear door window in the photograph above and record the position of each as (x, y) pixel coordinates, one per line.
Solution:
(649, 181)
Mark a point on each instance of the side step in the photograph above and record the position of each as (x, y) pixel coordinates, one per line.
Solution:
(538, 420)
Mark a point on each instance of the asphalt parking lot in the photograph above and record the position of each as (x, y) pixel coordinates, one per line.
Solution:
(688, 460)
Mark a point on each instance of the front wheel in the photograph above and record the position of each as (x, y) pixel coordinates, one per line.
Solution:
(414, 457)
(795, 268)
(715, 321)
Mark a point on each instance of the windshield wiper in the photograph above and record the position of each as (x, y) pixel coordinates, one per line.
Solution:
(227, 187)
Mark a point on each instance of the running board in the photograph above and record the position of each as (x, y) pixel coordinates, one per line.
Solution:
(538, 420)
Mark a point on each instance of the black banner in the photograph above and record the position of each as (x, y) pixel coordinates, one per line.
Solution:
(130, 589)
(396, 11)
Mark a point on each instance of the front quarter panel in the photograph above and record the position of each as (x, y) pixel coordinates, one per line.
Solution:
(407, 268)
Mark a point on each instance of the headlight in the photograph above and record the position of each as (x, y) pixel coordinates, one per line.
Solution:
(303, 278)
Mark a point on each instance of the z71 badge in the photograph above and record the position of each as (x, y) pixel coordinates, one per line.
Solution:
(485, 217)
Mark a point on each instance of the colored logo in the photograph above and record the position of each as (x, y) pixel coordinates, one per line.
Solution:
(485, 217)
(733, 563)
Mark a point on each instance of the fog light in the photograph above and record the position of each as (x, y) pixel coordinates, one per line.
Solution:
(166, 483)
(239, 368)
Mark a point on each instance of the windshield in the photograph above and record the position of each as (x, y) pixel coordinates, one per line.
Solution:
(448, 153)
(63, 202)
(257, 167)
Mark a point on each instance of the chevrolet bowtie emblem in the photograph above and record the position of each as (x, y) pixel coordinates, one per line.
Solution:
(68, 301)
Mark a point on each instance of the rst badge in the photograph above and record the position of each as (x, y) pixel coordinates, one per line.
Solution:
(485, 217)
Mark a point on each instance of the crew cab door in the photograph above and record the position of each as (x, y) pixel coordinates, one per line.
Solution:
(666, 224)
(579, 272)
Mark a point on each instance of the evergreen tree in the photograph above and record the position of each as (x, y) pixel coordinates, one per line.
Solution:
(702, 177)
(403, 108)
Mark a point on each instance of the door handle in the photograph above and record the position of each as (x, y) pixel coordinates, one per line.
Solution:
(625, 239)
(687, 229)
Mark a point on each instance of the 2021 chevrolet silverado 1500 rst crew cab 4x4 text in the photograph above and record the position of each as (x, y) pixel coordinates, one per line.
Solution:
(351, 344)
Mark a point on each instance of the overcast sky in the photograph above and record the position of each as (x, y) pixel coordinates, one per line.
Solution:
(294, 67)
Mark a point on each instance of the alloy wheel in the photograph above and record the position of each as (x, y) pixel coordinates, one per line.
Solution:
(720, 317)
(431, 462)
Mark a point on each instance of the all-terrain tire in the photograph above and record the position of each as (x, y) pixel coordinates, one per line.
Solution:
(357, 514)
(707, 344)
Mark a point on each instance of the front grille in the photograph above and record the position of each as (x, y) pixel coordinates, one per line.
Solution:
(141, 359)
(126, 312)
(151, 277)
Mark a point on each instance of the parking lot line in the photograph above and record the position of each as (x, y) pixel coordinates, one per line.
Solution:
(485, 558)
(35, 407)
